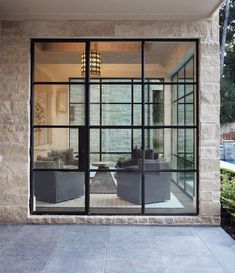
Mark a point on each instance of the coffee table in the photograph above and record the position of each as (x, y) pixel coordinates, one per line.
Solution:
(103, 181)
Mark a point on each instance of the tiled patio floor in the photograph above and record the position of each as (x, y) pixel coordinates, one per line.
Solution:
(115, 249)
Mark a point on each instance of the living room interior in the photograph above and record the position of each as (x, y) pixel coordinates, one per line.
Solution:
(123, 138)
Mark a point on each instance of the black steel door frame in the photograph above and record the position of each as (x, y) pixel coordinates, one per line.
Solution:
(86, 128)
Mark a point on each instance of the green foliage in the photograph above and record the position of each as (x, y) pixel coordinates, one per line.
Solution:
(228, 190)
(229, 60)
(227, 110)
(231, 22)
(227, 113)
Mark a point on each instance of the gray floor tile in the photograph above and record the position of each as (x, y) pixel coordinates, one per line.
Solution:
(212, 235)
(134, 264)
(173, 231)
(8, 233)
(224, 254)
(115, 249)
(73, 264)
(191, 263)
(181, 245)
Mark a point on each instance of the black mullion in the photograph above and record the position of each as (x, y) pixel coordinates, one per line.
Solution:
(185, 134)
(101, 109)
(31, 150)
(148, 116)
(143, 123)
(132, 171)
(182, 97)
(69, 118)
(87, 123)
(177, 121)
(119, 127)
(110, 83)
(132, 115)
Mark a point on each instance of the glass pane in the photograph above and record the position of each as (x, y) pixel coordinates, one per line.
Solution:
(137, 93)
(189, 70)
(59, 191)
(115, 179)
(154, 93)
(164, 59)
(74, 140)
(137, 114)
(116, 93)
(189, 89)
(94, 140)
(77, 93)
(189, 98)
(55, 148)
(189, 115)
(181, 75)
(175, 147)
(154, 114)
(181, 90)
(51, 104)
(137, 138)
(154, 143)
(95, 90)
(116, 60)
(181, 113)
(94, 114)
(77, 114)
(58, 62)
(169, 192)
(116, 140)
(116, 114)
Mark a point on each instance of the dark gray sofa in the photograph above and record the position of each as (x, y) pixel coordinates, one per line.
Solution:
(57, 159)
(157, 184)
(56, 186)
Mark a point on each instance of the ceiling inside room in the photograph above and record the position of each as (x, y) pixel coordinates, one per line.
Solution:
(107, 9)
(117, 58)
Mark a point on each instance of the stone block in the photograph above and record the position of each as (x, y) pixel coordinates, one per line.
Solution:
(205, 196)
(46, 28)
(209, 153)
(92, 28)
(209, 185)
(8, 84)
(209, 164)
(142, 220)
(120, 220)
(216, 196)
(61, 219)
(183, 220)
(14, 214)
(5, 107)
(209, 208)
(108, 220)
(209, 87)
(168, 220)
(132, 220)
(80, 220)
(209, 48)
(155, 220)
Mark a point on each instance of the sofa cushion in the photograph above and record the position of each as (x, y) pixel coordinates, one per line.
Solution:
(64, 155)
(149, 154)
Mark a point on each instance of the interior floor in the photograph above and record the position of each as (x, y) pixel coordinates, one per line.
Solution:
(111, 204)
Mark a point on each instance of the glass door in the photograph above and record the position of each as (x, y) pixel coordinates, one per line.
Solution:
(114, 126)
(115, 129)
(59, 132)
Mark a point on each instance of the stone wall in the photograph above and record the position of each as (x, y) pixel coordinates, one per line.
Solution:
(14, 112)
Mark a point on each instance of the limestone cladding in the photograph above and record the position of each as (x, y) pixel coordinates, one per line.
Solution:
(15, 108)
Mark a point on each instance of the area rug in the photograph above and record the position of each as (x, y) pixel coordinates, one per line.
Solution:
(110, 201)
